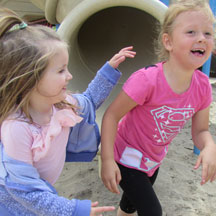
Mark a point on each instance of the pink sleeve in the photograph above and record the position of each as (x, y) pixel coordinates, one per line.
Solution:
(17, 140)
(206, 95)
(137, 86)
(208, 99)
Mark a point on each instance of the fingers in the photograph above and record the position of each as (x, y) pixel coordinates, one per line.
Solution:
(114, 187)
(111, 177)
(104, 209)
(127, 52)
(208, 160)
(121, 56)
(208, 171)
(204, 174)
(198, 162)
(94, 204)
(118, 60)
(213, 177)
(98, 210)
(111, 185)
(126, 48)
(114, 184)
(204, 170)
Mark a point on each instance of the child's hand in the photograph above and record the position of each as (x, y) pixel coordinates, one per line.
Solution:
(120, 57)
(208, 159)
(111, 175)
(96, 211)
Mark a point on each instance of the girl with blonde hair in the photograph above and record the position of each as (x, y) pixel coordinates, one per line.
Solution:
(154, 105)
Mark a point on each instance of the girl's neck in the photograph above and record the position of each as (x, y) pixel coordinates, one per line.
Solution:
(178, 77)
(41, 115)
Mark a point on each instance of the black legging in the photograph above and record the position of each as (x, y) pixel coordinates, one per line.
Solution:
(138, 193)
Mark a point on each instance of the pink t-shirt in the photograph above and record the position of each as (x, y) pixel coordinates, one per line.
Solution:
(42, 146)
(145, 132)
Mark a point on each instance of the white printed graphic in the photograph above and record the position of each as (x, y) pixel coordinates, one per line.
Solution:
(169, 122)
(132, 157)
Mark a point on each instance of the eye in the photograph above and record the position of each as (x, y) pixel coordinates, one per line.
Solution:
(191, 32)
(61, 71)
(208, 34)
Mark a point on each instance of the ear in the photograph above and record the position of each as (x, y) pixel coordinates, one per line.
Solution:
(167, 41)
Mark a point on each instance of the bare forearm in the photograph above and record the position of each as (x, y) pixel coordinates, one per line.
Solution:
(108, 133)
(202, 139)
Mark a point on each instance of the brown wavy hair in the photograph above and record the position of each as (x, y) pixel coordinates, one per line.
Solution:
(24, 56)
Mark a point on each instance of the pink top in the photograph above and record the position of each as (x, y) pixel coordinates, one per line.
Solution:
(42, 146)
(145, 132)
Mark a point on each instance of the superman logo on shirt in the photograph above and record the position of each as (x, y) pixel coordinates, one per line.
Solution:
(169, 121)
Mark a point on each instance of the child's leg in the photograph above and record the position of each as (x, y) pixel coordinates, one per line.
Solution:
(121, 213)
(126, 208)
(137, 187)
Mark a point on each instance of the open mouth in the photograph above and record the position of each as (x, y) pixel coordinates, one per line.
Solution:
(198, 52)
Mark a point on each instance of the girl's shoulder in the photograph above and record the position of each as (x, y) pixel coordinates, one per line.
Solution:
(149, 71)
(200, 79)
(15, 120)
(16, 124)
(148, 74)
(17, 138)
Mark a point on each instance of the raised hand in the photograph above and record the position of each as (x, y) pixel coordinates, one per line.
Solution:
(124, 53)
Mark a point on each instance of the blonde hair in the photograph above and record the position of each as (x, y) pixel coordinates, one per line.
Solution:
(172, 12)
(24, 56)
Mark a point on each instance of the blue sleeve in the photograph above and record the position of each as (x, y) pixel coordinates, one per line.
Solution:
(23, 191)
(101, 86)
(49, 204)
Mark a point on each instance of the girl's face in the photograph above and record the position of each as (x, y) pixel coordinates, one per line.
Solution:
(191, 41)
(54, 81)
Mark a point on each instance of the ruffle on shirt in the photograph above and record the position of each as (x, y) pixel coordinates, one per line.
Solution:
(62, 118)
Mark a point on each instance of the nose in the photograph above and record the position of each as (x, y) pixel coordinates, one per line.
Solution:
(201, 37)
(69, 75)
